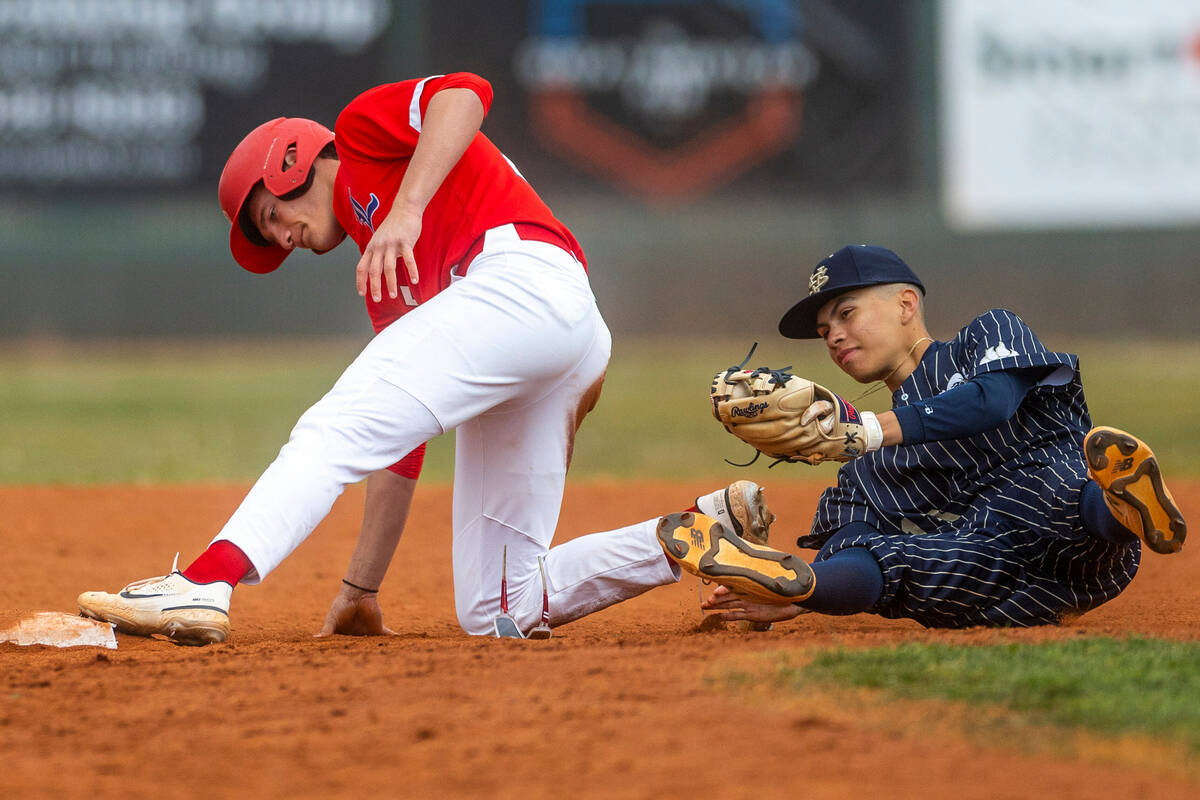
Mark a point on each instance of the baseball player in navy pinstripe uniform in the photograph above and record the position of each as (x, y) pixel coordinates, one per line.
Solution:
(984, 497)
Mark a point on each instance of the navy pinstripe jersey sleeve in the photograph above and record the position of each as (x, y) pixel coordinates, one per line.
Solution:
(1000, 340)
(966, 483)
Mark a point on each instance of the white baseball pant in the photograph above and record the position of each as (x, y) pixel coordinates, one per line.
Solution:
(505, 355)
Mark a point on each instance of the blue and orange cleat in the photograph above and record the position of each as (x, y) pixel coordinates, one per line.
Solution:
(1127, 471)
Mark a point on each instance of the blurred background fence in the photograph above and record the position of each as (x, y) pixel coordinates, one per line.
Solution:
(1036, 155)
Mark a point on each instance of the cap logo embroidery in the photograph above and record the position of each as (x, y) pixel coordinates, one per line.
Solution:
(819, 278)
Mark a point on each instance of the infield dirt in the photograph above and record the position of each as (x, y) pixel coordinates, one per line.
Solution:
(620, 704)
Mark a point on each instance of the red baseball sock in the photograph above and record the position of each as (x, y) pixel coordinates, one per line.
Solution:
(222, 561)
(693, 509)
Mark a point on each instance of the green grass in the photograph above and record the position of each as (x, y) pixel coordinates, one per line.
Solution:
(170, 412)
(1108, 686)
(195, 411)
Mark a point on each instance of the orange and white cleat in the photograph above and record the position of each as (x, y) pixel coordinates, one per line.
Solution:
(706, 548)
(1126, 469)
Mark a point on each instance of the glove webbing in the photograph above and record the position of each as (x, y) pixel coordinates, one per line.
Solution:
(739, 367)
(778, 377)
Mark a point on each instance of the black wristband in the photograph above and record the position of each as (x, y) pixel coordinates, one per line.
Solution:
(360, 588)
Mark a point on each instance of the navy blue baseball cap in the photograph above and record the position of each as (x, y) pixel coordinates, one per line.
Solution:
(852, 267)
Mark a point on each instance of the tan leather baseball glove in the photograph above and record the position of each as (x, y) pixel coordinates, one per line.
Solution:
(790, 418)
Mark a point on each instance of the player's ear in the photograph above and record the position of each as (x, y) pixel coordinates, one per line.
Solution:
(289, 158)
(909, 300)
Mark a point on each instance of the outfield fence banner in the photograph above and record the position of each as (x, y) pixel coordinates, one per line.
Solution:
(1065, 114)
(144, 95)
(673, 100)
(663, 100)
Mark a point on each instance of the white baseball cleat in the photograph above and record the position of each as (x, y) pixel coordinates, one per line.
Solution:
(186, 612)
(741, 508)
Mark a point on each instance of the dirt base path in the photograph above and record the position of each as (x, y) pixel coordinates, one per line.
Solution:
(616, 705)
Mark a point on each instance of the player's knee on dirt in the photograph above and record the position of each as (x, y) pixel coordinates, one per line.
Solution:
(477, 615)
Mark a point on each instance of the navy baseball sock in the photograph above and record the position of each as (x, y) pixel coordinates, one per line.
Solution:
(848, 582)
(1098, 521)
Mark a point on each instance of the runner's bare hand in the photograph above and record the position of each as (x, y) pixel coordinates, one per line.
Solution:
(393, 240)
(355, 613)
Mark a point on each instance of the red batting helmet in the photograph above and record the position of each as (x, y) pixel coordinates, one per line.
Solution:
(259, 157)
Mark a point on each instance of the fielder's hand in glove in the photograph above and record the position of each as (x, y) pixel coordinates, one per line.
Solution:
(791, 418)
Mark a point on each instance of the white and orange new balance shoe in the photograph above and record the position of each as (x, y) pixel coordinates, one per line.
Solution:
(706, 548)
(1126, 469)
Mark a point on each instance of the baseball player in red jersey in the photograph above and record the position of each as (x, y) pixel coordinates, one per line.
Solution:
(488, 327)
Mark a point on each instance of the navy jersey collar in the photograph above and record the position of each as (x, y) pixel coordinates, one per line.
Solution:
(907, 393)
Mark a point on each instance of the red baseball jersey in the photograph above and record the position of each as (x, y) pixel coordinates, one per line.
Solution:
(376, 135)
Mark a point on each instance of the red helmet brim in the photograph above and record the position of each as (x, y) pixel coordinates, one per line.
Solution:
(254, 257)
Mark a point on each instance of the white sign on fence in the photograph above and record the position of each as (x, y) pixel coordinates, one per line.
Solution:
(1070, 113)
